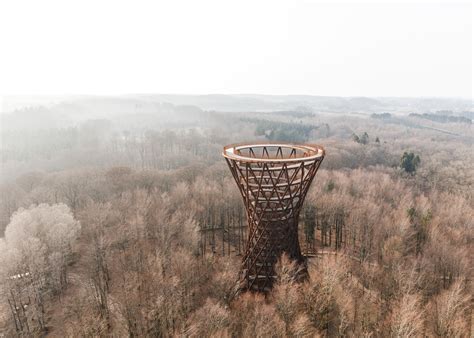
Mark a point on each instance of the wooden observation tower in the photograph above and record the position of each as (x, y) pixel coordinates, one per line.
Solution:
(273, 179)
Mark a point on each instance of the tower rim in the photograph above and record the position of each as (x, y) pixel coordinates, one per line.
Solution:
(309, 152)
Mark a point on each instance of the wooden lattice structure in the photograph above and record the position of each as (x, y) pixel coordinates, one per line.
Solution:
(273, 180)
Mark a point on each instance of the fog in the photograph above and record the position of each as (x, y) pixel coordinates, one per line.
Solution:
(81, 131)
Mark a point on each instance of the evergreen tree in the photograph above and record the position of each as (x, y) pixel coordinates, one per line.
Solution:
(410, 162)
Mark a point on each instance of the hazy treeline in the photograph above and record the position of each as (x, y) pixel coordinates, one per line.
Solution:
(113, 227)
(443, 118)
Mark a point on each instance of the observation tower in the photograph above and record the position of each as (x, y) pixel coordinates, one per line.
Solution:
(273, 179)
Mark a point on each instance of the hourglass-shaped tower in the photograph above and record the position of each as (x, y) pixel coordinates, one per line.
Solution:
(273, 179)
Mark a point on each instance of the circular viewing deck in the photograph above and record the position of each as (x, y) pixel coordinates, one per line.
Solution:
(273, 152)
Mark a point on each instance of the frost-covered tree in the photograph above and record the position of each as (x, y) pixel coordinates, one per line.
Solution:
(53, 225)
(34, 257)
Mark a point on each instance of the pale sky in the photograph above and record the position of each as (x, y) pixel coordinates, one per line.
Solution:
(403, 48)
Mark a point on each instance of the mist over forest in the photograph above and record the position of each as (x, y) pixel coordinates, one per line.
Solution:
(119, 217)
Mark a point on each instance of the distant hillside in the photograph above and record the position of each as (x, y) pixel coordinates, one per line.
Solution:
(140, 103)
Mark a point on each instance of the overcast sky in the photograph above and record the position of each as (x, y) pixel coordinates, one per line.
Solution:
(267, 47)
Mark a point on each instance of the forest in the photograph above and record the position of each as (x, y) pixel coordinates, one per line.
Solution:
(119, 217)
